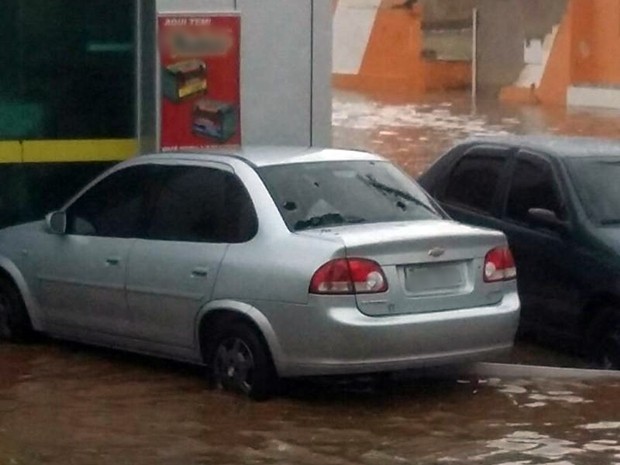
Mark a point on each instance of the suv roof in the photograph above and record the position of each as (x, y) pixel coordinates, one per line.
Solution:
(558, 146)
(267, 156)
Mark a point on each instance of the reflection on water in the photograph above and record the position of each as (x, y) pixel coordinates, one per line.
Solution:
(63, 404)
(415, 131)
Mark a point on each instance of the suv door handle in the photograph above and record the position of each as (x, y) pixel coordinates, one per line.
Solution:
(200, 272)
(112, 261)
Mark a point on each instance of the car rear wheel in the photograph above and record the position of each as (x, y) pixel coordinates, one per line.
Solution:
(605, 340)
(15, 323)
(241, 363)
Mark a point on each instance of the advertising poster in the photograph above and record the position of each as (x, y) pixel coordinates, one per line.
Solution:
(199, 58)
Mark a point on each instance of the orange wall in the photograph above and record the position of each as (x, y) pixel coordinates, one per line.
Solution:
(443, 75)
(606, 40)
(581, 21)
(394, 49)
(393, 58)
(557, 75)
(595, 41)
(586, 51)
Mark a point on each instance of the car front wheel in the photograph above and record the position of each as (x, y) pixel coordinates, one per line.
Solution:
(241, 363)
(14, 320)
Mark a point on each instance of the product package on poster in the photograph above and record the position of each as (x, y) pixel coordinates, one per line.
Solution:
(200, 98)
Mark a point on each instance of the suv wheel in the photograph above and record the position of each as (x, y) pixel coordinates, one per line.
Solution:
(241, 362)
(605, 340)
(610, 345)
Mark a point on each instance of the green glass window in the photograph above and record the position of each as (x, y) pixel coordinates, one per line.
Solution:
(67, 69)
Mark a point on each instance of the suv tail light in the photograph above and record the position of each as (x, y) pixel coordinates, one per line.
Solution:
(349, 276)
(499, 265)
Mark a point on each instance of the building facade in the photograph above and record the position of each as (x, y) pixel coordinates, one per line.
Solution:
(79, 87)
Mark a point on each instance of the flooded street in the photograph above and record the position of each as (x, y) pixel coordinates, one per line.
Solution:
(69, 404)
(414, 131)
(65, 404)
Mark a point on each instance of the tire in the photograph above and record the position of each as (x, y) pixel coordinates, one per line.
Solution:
(605, 340)
(15, 323)
(241, 362)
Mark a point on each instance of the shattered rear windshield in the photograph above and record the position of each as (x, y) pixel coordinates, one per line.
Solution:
(314, 195)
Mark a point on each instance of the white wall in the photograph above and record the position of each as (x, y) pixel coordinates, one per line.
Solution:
(595, 97)
(285, 67)
(353, 22)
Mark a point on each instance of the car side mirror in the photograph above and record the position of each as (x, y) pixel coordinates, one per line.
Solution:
(547, 219)
(57, 222)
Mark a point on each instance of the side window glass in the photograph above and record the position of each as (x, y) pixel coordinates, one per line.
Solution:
(473, 182)
(202, 205)
(114, 207)
(532, 186)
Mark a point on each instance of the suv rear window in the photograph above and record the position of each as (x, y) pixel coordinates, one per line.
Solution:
(312, 195)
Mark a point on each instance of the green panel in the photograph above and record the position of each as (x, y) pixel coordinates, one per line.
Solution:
(28, 191)
(21, 120)
(67, 69)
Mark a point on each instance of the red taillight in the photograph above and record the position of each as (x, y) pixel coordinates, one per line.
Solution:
(349, 276)
(499, 265)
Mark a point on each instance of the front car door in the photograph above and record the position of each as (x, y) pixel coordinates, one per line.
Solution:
(82, 273)
(545, 258)
(173, 268)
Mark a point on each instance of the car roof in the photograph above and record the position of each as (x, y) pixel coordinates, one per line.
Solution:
(269, 156)
(557, 146)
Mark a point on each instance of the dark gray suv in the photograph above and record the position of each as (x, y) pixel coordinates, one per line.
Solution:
(557, 200)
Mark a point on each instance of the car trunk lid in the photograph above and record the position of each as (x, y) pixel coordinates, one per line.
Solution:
(430, 265)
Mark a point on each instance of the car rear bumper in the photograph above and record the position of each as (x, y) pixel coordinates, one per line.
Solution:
(341, 340)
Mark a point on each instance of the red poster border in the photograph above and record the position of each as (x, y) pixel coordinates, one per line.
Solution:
(173, 130)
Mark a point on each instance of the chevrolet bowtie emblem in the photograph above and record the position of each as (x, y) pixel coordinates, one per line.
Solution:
(436, 252)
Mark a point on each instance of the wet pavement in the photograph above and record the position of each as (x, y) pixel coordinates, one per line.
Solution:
(69, 404)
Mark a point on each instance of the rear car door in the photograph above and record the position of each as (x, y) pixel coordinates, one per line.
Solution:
(474, 189)
(173, 269)
(546, 259)
(82, 273)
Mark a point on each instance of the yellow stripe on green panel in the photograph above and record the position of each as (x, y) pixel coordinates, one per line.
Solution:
(10, 152)
(50, 151)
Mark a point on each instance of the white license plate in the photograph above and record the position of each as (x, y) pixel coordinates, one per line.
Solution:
(435, 278)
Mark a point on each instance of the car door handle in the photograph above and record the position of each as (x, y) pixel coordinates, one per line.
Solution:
(200, 272)
(112, 261)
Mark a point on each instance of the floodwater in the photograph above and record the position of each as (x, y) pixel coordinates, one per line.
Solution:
(66, 404)
(414, 131)
(69, 404)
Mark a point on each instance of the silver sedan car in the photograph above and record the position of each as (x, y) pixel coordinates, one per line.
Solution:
(261, 264)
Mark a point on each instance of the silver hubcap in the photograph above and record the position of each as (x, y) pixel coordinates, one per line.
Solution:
(234, 365)
(5, 305)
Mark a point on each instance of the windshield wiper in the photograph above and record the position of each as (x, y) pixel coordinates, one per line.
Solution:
(610, 222)
(396, 192)
(326, 219)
